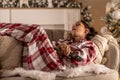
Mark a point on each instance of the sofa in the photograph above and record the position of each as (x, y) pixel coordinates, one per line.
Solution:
(11, 54)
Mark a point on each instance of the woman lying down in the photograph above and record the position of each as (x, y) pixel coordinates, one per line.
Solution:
(69, 58)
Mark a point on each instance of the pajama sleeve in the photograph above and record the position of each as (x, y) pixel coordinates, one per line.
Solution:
(83, 54)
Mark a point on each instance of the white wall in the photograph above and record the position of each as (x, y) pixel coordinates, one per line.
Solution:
(49, 18)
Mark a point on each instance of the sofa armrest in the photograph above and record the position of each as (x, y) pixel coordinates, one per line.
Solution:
(112, 56)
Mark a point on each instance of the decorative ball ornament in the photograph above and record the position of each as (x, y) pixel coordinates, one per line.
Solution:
(113, 14)
(108, 7)
(111, 28)
(116, 14)
(104, 30)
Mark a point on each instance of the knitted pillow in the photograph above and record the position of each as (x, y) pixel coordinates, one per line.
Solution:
(101, 45)
(10, 52)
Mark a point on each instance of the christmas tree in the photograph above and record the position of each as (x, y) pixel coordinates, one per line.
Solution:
(112, 19)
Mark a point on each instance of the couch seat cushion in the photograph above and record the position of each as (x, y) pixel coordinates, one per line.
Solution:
(16, 78)
(109, 76)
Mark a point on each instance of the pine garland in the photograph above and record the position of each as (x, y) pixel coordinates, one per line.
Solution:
(86, 15)
(66, 4)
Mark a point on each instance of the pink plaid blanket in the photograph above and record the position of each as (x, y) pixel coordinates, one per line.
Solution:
(39, 53)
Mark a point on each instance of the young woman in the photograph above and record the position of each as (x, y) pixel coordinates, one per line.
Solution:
(78, 50)
(39, 54)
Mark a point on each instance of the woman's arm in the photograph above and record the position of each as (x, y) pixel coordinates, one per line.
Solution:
(83, 54)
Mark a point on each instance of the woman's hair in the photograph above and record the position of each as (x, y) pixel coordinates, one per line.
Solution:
(91, 33)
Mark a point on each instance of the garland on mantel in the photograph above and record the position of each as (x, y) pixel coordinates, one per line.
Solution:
(66, 3)
(49, 4)
(85, 15)
(40, 4)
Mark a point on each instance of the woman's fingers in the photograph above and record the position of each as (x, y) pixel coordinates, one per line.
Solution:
(67, 50)
(61, 49)
(64, 49)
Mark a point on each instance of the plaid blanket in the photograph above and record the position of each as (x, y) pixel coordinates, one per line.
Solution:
(39, 53)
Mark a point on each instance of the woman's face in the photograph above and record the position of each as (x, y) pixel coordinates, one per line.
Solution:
(79, 30)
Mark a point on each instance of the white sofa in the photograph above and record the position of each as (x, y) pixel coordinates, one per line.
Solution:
(9, 59)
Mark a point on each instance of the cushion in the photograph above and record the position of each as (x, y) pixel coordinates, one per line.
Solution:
(10, 52)
(101, 46)
(55, 35)
(110, 76)
(50, 34)
(16, 78)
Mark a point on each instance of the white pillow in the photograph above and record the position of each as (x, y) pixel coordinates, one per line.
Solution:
(101, 45)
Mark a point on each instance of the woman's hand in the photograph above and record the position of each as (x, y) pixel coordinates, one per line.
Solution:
(64, 49)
